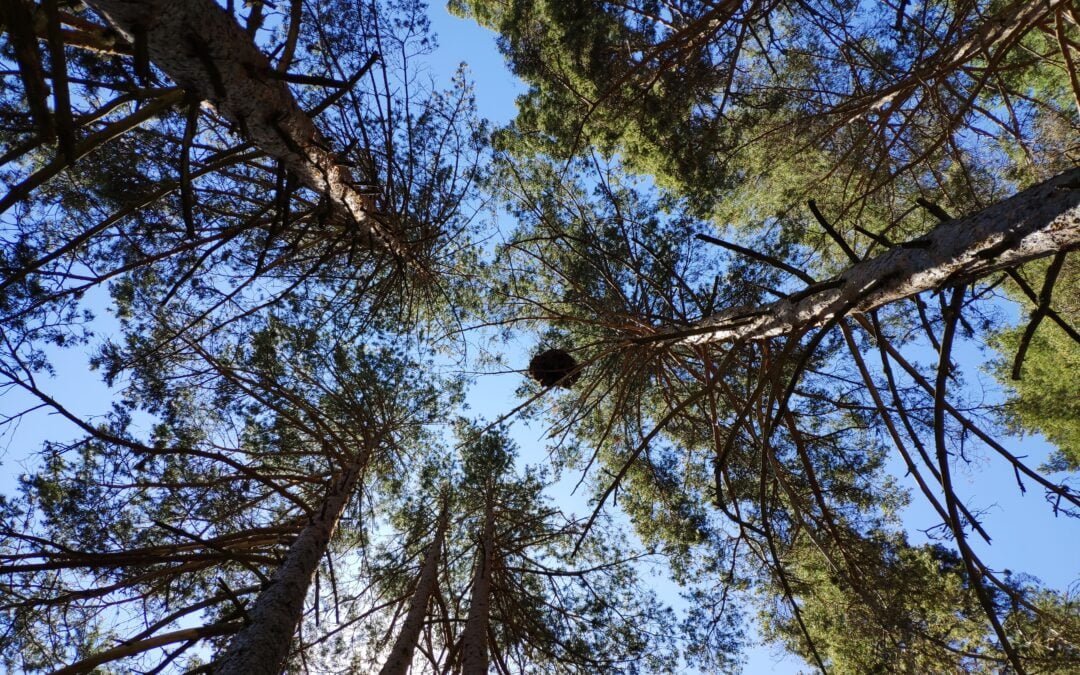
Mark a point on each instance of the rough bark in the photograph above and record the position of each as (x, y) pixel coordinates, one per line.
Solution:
(1039, 221)
(397, 663)
(15, 19)
(263, 645)
(474, 647)
(202, 48)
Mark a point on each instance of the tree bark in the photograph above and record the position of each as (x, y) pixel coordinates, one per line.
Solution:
(474, 647)
(201, 47)
(1039, 221)
(263, 645)
(397, 663)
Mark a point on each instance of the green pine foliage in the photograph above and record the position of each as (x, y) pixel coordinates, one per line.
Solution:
(1046, 398)
(670, 162)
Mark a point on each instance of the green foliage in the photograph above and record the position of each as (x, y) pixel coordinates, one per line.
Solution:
(745, 113)
(248, 434)
(265, 348)
(909, 609)
(549, 608)
(1046, 399)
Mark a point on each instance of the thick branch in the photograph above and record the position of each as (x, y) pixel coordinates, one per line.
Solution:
(131, 649)
(1039, 221)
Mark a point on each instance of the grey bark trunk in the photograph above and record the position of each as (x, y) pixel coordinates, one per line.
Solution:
(474, 646)
(1039, 221)
(397, 663)
(202, 48)
(263, 645)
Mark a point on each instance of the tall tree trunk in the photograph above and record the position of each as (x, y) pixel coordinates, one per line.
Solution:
(397, 663)
(1039, 221)
(263, 645)
(474, 651)
(201, 47)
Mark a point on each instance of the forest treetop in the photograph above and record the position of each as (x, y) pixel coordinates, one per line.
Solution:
(765, 234)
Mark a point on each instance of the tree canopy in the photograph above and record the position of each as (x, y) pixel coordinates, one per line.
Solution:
(764, 239)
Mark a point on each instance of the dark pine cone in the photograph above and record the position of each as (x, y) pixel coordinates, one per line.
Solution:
(552, 367)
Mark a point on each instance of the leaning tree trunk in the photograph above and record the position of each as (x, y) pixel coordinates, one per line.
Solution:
(200, 46)
(263, 645)
(1039, 221)
(474, 647)
(397, 663)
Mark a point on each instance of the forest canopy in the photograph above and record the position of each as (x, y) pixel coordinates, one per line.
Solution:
(763, 275)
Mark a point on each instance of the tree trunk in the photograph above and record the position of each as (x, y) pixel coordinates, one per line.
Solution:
(202, 48)
(263, 645)
(474, 651)
(1039, 221)
(397, 663)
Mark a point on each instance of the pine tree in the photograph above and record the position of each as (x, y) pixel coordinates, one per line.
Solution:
(749, 225)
